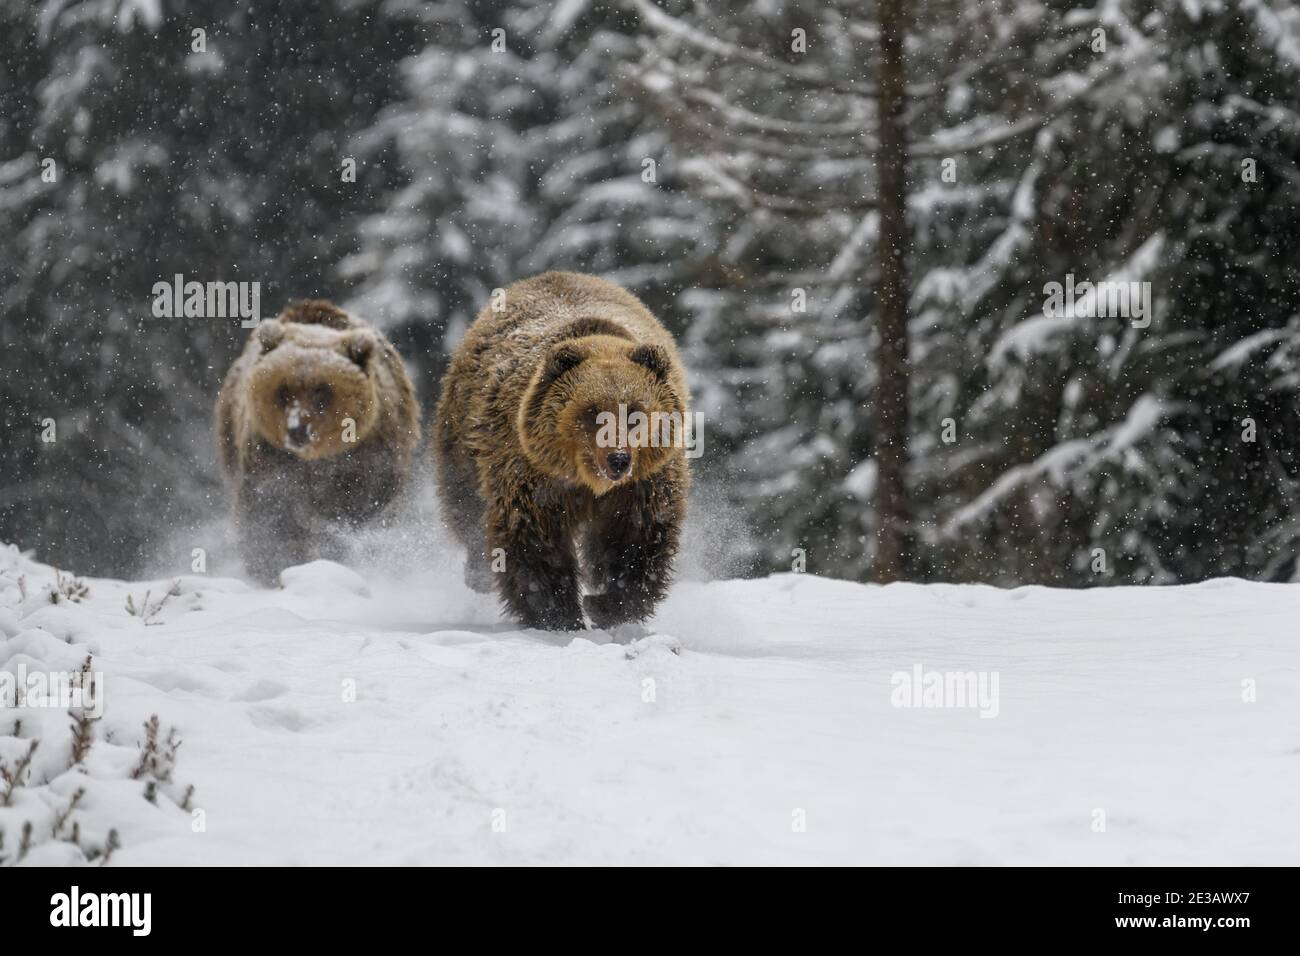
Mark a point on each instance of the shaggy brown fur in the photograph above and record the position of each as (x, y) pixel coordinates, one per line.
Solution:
(317, 422)
(524, 467)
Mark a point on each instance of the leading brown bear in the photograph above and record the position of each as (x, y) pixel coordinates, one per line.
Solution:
(317, 425)
(534, 482)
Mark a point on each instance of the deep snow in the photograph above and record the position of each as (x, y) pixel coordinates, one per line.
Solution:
(770, 697)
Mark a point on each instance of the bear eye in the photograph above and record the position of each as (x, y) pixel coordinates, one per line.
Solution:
(282, 396)
(323, 396)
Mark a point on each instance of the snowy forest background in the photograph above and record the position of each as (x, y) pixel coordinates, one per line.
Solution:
(1173, 448)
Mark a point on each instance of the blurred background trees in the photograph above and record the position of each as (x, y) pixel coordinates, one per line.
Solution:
(133, 150)
(728, 163)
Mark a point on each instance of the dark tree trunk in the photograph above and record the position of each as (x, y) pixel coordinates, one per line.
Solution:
(893, 509)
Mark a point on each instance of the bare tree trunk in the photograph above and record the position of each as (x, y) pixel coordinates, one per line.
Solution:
(893, 508)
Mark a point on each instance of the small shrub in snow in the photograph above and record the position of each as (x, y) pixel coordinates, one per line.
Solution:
(148, 611)
(155, 766)
(12, 775)
(68, 791)
(68, 588)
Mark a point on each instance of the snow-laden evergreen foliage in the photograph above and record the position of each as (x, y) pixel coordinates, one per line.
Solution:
(721, 160)
(1046, 141)
(518, 150)
(219, 165)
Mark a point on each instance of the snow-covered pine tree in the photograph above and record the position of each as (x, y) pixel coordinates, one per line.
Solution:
(518, 150)
(779, 104)
(1045, 141)
(1094, 449)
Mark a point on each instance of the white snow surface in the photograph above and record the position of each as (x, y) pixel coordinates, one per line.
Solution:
(771, 703)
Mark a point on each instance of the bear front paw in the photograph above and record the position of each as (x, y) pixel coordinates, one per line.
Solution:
(610, 610)
(552, 619)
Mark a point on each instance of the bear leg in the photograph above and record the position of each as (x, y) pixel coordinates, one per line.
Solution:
(629, 548)
(271, 537)
(462, 510)
(268, 550)
(540, 582)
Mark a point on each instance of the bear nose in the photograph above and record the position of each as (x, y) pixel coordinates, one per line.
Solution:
(618, 463)
(299, 434)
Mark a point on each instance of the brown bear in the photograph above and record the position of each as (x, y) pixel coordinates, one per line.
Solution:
(317, 425)
(533, 480)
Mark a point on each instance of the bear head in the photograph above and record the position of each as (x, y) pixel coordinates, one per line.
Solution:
(602, 411)
(313, 388)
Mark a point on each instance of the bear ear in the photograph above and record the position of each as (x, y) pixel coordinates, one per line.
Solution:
(654, 358)
(270, 333)
(561, 358)
(361, 346)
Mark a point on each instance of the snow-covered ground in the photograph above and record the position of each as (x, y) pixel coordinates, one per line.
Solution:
(756, 724)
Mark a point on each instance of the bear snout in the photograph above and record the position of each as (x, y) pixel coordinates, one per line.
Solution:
(299, 434)
(618, 463)
(298, 431)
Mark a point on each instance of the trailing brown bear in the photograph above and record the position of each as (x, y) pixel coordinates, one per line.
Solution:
(533, 481)
(317, 425)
